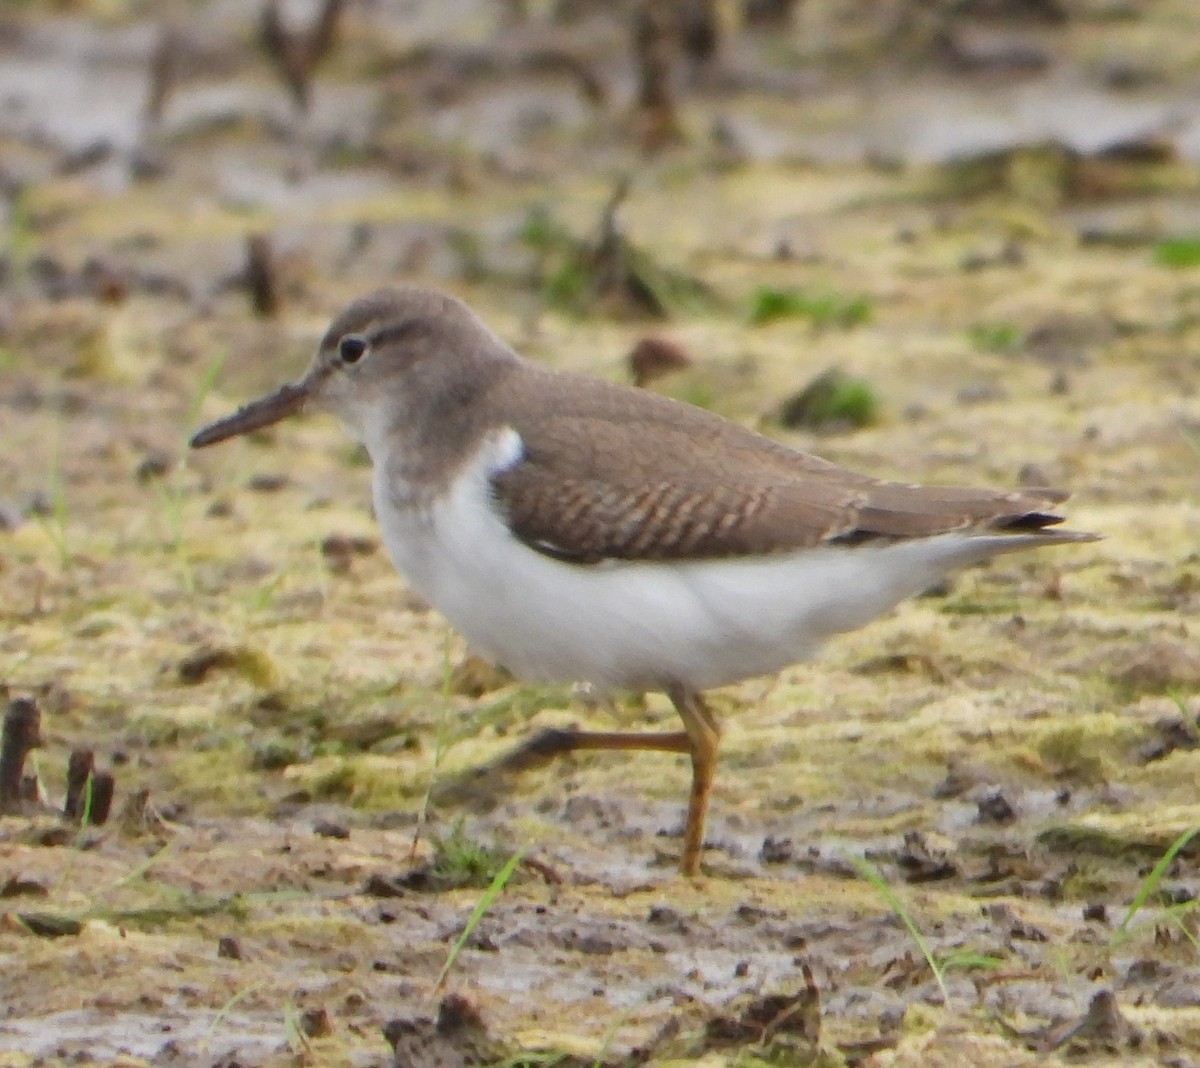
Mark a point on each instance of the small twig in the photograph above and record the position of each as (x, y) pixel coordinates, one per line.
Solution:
(148, 157)
(283, 49)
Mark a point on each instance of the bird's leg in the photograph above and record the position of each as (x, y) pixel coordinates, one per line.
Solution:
(704, 735)
(554, 742)
(699, 739)
(558, 741)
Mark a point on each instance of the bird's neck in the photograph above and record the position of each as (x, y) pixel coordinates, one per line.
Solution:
(422, 440)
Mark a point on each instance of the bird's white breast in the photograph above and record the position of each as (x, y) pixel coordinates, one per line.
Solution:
(638, 625)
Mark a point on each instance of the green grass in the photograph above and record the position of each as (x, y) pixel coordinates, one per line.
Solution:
(1002, 339)
(1150, 885)
(939, 966)
(459, 860)
(225, 1009)
(258, 599)
(1178, 253)
(544, 1058)
(140, 870)
(1177, 916)
(22, 231)
(1191, 440)
(699, 394)
(80, 838)
(440, 743)
(293, 1033)
(153, 917)
(542, 232)
(833, 398)
(577, 275)
(768, 305)
(495, 888)
(55, 523)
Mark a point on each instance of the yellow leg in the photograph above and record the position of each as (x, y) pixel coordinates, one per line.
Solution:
(699, 739)
(544, 747)
(704, 734)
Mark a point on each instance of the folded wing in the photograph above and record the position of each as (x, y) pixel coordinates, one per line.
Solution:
(630, 476)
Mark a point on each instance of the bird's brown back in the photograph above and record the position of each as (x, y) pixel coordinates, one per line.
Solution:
(612, 472)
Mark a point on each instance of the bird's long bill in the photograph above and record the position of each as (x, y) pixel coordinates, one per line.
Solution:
(285, 401)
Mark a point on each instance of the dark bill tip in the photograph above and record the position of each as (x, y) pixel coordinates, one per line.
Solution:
(285, 401)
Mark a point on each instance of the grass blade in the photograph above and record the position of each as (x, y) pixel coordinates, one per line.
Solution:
(485, 903)
(439, 745)
(1150, 883)
(223, 1011)
(873, 876)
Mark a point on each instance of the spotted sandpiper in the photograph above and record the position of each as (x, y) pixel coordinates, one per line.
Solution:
(576, 530)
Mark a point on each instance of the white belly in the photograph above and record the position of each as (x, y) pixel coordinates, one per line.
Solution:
(641, 626)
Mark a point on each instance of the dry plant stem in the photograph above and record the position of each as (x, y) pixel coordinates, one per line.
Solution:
(464, 65)
(21, 733)
(288, 56)
(654, 51)
(700, 30)
(610, 261)
(262, 276)
(164, 69)
(554, 61)
(79, 769)
(136, 813)
(611, 237)
(297, 55)
(769, 13)
(103, 785)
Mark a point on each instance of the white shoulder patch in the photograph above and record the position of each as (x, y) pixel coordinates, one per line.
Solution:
(503, 449)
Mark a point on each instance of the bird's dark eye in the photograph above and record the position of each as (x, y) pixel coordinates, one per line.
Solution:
(351, 348)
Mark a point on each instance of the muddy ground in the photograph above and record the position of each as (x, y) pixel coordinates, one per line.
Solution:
(989, 214)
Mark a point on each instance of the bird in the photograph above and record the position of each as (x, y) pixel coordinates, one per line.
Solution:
(578, 530)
